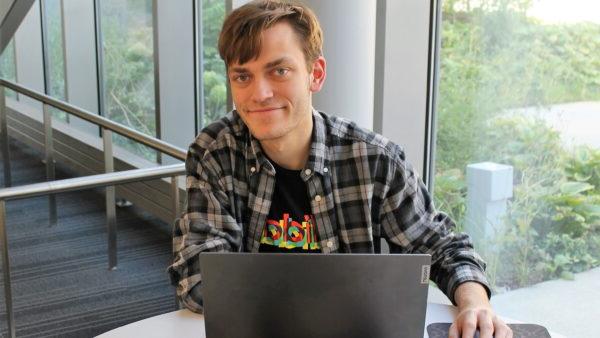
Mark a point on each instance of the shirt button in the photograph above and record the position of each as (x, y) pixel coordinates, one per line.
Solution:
(329, 244)
(318, 198)
(307, 172)
(325, 170)
(252, 169)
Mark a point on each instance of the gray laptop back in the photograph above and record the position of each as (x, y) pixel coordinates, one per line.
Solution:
(312, 295)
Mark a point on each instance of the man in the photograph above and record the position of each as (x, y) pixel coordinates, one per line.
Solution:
(276, 175)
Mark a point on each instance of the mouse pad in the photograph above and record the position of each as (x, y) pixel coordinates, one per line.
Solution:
(440, 330)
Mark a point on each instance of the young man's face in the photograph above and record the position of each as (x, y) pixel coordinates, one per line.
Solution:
(272, 94)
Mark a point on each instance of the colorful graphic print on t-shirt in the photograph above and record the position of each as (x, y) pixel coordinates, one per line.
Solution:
(287, 233)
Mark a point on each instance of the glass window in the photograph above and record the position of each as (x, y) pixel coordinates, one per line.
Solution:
(8, 68)
(215, 89)
(56, 56)
(518, 147)
(129, 68)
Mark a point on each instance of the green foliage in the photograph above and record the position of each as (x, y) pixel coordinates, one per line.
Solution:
(129, 69)
(451, 194)
(129, 66)
(216, 98)
(527, 144)
(518, 262)
(567, 255)
(584, 166)
(576, 210)
(553, 225)
(8, 68)
(7, 61)
(56, 69)
(495, 59)
(55, 57)
(215, 90)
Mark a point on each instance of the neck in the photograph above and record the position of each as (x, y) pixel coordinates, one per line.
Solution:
(291, 151)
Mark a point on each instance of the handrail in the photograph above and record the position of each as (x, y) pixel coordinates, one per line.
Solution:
(149, 141)
(92, 181)
(79, 183)
(109, 179)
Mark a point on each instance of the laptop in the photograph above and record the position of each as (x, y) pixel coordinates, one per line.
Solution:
(286, 295)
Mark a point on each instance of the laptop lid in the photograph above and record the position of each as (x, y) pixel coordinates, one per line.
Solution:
(314, 295)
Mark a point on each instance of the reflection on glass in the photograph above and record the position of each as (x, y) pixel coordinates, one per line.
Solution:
(215, 90)
(56, 56)
(519, 89)
(129, 68)
(8, 68)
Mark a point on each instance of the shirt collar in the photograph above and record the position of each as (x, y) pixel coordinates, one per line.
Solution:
(260, 159)
(317, 157)
(317, 160)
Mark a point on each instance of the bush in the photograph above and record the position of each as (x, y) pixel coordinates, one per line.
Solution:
(495, 59)
(553, 221)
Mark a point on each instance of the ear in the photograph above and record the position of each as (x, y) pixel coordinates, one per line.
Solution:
(318, 74)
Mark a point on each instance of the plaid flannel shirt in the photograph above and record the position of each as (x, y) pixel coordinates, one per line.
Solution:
(361, 189)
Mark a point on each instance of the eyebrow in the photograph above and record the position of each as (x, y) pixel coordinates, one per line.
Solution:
(269, 65)
(276, 63)
(239, 70)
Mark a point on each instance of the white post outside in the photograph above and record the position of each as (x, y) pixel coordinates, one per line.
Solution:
(489, 186)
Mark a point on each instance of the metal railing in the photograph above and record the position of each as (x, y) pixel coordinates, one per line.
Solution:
(107, 180)
(88, 182)
(103, 122)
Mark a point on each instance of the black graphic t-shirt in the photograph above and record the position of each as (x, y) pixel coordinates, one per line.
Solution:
(290, 224)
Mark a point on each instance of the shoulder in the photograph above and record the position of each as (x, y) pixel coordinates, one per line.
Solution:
(342, 132)
(226, 133)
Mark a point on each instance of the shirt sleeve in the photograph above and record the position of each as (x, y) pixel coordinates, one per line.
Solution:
(411, 224)
(207, 225)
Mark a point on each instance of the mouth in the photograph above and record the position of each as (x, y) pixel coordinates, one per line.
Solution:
(264, 110)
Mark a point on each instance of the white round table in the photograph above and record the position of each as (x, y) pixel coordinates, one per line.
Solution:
(184, 323)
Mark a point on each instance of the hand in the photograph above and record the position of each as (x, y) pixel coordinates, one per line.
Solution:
(469, 319)
(475, 311)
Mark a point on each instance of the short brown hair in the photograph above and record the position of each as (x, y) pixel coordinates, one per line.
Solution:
(240, 39)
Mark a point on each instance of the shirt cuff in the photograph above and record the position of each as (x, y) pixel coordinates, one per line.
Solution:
(467, 273)
(193, 300)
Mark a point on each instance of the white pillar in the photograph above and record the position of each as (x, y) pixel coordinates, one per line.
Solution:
(405, 82)
(349, 48)
(176, 73)
(28, 50)
(489, 186)
(80, 61)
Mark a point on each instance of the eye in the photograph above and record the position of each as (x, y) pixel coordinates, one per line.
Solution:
(281, 71)
(241, 78)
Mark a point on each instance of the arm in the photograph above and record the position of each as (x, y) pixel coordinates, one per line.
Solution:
(207, 225)
(409, 215)
(411, 224)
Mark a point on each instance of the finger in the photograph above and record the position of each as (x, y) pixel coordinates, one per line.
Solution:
(485, 323)
(501, 330)
(453, 331)
(468, 325)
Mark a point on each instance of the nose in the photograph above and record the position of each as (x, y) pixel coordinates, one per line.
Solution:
(262, 90)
